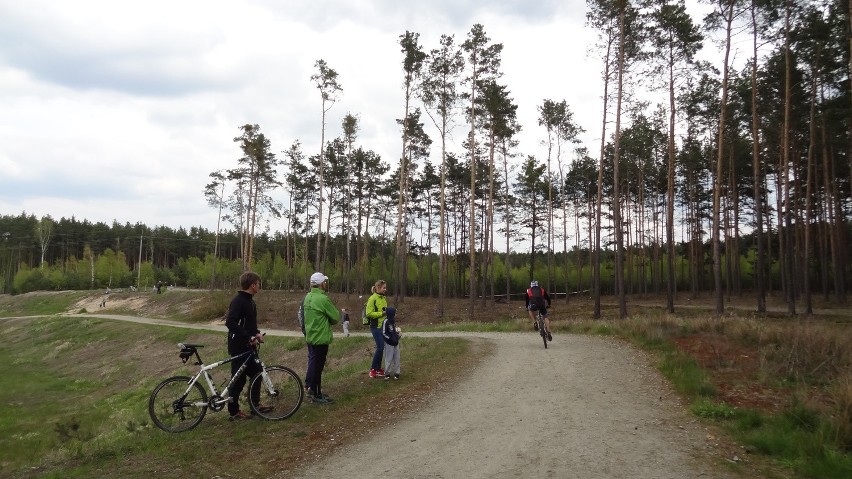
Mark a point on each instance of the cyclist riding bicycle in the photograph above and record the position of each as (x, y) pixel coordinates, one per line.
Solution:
(536, 297)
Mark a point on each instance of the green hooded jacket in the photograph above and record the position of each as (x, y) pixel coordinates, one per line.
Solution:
(376, 310)
(320, 315)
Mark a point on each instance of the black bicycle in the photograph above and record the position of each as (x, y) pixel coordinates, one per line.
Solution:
(541, 330)
(179, 403)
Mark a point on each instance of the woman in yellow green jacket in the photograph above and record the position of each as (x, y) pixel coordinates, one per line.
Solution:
(376, 306)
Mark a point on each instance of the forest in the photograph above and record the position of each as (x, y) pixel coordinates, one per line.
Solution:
(734, 180)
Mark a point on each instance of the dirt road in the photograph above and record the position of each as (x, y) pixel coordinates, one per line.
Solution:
(587, 407)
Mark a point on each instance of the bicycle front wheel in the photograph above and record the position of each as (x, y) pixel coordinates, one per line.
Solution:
(281, 393)
(542, 332)
(176, 407)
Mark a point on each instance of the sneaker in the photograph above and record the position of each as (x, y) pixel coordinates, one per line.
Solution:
(396, 376)
(320, 400)
(240, 416)
(535, 326)
(380, 372)
(373, 373)
(387, 377)
(549, 336)
(325, 396)
(264, 409)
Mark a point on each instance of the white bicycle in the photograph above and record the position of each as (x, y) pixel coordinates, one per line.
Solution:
(179, 403)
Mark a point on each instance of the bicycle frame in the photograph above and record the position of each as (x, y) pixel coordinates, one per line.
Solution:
(204, 372)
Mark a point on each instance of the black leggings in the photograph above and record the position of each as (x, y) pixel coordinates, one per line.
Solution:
(252, 369)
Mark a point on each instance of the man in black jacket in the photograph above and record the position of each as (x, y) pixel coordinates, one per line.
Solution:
(243, 334)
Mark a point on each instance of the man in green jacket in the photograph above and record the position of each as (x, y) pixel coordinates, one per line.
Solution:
(320, 316)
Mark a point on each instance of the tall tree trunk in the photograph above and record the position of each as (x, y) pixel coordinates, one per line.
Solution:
(727, 207)
(616, 180)
(399, 257)
(760, 261)
(508, 216)
(717, 178)
(318, 260)
(808, 189)
(785, 156)
(831, 214)
(596, 263)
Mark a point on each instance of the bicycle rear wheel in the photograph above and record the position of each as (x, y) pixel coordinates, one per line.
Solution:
(281, 393)
(541, 330)
(174, 407)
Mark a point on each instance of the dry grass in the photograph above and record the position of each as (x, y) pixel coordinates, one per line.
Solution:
(841, 392)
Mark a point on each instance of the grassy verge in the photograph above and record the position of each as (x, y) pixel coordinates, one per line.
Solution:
(42, 303)
(76, 404)
(807, 365)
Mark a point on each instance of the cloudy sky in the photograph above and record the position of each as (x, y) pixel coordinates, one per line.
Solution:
(115, 110)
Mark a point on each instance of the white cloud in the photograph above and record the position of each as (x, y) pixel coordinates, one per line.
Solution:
(116, 111)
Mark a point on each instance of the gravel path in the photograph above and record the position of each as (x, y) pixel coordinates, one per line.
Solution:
(587, 407)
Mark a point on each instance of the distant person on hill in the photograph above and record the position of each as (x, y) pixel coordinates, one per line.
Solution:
(159, 287)
(105, 297)
(376, 306)
(243, 334)
(345, 323)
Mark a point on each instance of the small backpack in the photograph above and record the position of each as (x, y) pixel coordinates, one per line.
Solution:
(536, 294)
(300, 315)
(364, 319)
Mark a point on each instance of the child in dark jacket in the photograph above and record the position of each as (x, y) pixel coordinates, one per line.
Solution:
(391, 334)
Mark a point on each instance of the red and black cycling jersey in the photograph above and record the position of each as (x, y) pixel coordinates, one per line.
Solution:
(538, 296)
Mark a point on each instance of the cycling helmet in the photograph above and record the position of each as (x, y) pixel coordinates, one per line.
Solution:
(533, 284)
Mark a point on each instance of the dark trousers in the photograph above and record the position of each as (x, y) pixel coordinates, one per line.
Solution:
(252, 369)
(317, 354)
(380, 348)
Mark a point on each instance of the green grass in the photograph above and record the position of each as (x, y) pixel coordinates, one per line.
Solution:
(712, 410)
(686, 375)
(501, 326)
(75, 404)
(799, 438)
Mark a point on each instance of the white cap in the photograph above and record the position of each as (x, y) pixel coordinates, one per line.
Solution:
(318, 278)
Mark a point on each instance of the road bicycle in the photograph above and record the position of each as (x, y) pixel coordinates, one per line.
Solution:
(179, 403)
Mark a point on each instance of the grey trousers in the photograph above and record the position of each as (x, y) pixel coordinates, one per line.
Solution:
(391, 359)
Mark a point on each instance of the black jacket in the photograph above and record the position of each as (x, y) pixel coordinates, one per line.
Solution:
(389, 332)
(241, 321)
